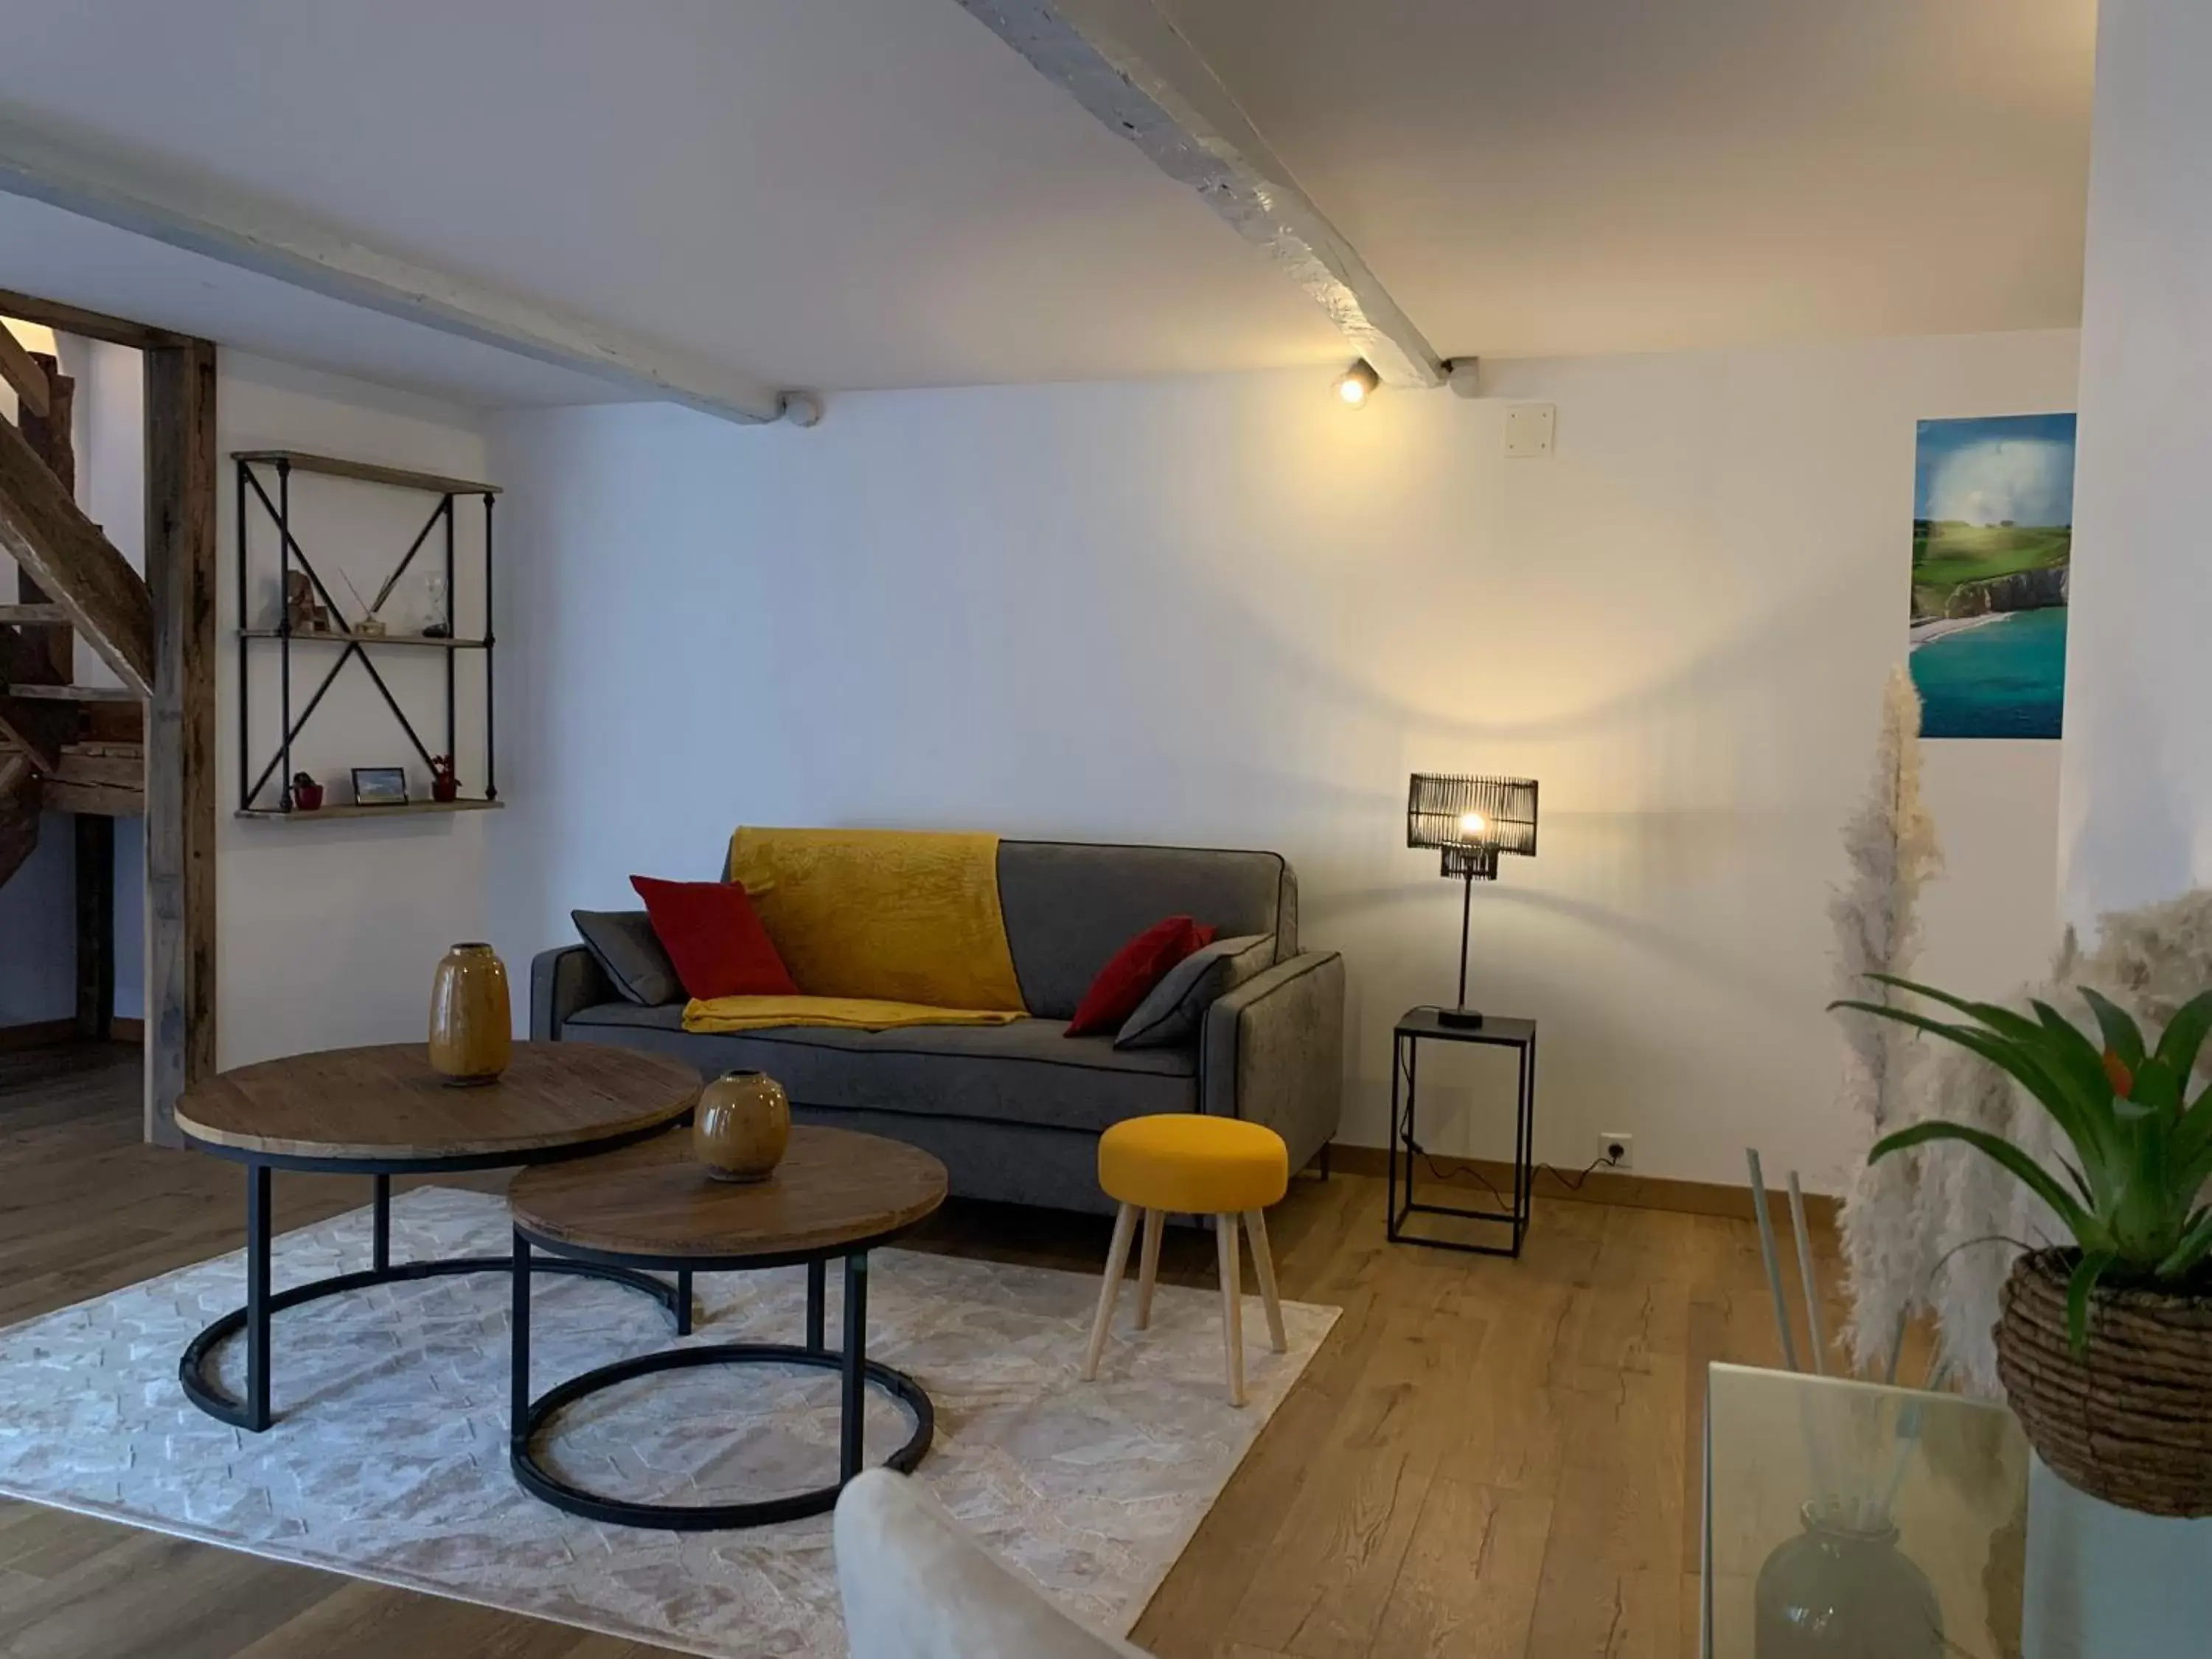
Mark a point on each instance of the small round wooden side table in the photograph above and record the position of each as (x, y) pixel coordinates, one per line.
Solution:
(835, 1195)
(381, 1112)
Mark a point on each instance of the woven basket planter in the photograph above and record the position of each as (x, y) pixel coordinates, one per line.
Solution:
(2129, 1421)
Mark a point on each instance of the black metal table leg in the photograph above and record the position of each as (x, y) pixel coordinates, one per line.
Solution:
(853, 1410)
(683, 1300)
(252, 1413)
(1390, 1190)
(1529, 1199)
(518, 1375)
(379, 1254)
(258, 1193)
(1403, 1204)
(855, 1372)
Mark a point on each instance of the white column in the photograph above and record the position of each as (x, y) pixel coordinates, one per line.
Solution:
(2106, 1583)
(2136, 794)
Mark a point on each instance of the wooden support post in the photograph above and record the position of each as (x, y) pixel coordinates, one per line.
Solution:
(181, 781)
(95, 926)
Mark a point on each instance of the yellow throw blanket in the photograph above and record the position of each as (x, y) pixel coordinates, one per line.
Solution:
(902, 927)
(850, 1013)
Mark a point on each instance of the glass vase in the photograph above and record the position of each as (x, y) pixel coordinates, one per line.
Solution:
(1845, 1591)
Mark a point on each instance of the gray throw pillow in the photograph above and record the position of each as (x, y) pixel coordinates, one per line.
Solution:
(625, 945)
(1172, 1012)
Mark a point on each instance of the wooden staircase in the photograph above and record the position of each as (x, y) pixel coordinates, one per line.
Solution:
(20, 805)
(81, 748)
(66, 746)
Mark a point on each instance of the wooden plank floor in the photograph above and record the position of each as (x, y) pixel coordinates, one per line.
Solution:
(1486, 1458)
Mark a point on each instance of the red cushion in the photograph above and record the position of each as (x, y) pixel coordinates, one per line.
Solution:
(714, 939)
(1137, 967)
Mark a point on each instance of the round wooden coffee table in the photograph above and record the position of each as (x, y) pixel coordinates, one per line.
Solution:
(836, 1193)
(382, 1112)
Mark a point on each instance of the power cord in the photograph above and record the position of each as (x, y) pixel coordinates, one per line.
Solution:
(1573, 1183)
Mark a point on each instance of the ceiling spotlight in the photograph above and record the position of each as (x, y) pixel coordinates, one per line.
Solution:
(1357, 384)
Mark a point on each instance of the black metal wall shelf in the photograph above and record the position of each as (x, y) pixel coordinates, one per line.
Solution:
(354, 646)
(397, 809)
(436, 644)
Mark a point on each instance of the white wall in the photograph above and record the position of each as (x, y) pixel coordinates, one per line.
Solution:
(38, 928)
(1228, 611)
(2137, 811)
(330, 930)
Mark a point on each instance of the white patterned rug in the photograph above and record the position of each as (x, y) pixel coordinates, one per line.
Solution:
(389, 1459)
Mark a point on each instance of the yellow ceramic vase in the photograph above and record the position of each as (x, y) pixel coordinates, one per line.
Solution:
(742, 1127)
(471, 1022)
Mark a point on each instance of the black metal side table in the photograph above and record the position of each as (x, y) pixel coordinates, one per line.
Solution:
(1420, 1025)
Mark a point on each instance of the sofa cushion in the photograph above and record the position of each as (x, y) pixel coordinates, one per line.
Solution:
(630, 953)
(1134, 971)
(1069, 906)
(1024, 1072)
(711, 933)
(1171, 1014)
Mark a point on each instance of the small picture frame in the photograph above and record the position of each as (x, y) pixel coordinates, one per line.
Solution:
(379, 786)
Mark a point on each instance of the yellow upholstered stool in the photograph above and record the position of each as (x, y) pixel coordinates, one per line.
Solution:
(1222, 1167)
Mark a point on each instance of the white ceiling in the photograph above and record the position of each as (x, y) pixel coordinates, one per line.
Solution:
(1532, 177)
(841, 193)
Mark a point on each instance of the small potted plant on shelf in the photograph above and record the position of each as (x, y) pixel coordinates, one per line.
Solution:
(307, 793)
(444, 786)
(2104, 1346)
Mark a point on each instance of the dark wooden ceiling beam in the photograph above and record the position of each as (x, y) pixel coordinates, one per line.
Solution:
(85, 324)
(74, 565)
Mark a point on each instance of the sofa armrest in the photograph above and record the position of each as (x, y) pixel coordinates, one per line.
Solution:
(1273, 1052)
(562, 981)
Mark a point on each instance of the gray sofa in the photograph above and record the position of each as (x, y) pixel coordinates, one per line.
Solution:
(1015, 1111)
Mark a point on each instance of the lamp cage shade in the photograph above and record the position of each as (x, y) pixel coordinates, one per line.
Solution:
(1476, 818)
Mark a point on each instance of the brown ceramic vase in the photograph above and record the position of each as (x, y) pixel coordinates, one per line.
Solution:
(471, 1023)
(743, 1126)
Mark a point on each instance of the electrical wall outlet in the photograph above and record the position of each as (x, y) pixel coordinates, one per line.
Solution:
(1528, 431)
(1616, 1151)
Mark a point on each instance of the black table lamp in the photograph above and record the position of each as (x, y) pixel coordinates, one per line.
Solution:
(1472, 820)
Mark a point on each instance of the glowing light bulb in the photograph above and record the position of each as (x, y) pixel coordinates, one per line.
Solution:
(1357, 384)
(1472, 823)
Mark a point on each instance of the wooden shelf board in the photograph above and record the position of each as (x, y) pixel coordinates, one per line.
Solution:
(365, 639)
(34, 616)
(368, 472)
(467, 804)
(74, 693)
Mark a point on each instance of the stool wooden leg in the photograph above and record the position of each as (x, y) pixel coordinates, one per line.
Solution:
(1263, 1263)
(1232, 1304)
(1117, 1264)
(1148, 1266)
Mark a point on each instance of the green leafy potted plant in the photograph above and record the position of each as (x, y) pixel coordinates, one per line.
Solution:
(2105, 1347)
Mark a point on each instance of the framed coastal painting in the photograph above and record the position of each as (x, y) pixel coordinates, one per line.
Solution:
(1993, 538)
